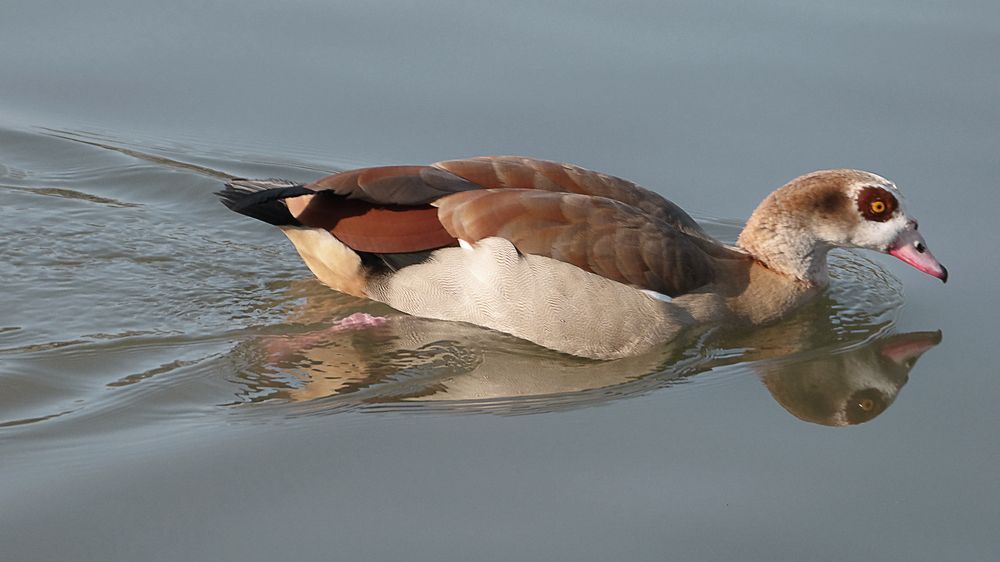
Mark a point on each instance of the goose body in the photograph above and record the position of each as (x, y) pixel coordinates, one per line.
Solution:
(571, 259)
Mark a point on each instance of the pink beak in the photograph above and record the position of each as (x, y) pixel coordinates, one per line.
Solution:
(911, 248)
(903, 347)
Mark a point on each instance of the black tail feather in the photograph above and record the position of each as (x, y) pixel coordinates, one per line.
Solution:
(261, 199)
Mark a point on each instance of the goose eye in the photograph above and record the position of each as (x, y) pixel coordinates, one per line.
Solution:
(877, 204)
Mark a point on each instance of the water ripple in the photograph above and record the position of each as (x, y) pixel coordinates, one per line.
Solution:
(157, 299)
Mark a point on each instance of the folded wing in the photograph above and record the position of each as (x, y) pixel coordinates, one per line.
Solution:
(596, 234)
(599, 223)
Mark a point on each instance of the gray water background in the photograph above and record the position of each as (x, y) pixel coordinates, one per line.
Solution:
(147, 414)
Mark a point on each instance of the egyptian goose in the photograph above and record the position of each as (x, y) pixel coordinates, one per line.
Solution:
(573, 260)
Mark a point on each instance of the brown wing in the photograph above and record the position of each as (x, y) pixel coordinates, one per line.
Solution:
(387, 209)
(421, 185)
(597, 234)
(383, 210)
(518, 172)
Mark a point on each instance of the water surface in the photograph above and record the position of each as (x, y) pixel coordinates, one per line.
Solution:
(175, 385)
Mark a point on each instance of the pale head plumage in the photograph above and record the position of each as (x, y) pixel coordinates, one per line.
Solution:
(793, 228)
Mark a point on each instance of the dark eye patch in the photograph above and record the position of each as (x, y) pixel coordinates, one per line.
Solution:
(877, 204)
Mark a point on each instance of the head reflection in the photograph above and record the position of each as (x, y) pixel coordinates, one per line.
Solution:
(849, 387)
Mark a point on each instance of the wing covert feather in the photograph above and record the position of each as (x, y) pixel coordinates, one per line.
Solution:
(597, 234)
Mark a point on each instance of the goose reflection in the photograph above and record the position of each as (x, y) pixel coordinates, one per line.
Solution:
(361, 361)
(412, 361)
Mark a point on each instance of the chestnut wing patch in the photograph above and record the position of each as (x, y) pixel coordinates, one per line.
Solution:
(597, 234)
(384, 210)
(369, 227)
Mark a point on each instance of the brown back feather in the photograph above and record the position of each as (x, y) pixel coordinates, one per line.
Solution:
(394, 185)
(517, 172)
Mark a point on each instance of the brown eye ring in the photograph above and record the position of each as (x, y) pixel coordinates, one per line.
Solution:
(876, 204)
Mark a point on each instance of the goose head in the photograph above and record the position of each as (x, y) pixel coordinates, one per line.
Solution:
(792, 230)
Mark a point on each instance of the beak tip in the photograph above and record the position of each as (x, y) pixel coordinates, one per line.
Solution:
(909, 246)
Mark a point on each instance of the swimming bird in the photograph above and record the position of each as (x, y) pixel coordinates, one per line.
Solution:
(571, 259)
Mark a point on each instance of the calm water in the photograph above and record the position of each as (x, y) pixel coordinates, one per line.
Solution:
(174, 384)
